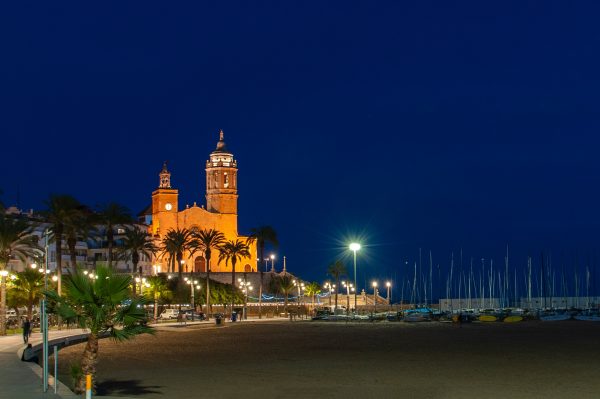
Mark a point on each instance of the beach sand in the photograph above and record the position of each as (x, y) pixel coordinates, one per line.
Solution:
(362, 360)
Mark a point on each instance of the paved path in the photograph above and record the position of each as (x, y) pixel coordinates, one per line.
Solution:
(23, 380)
(20, 379)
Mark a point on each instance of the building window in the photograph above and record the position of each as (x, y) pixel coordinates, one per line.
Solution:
(216, 180)
(225, 180)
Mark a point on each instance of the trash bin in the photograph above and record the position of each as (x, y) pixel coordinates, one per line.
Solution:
(233, 316)
(218, 319)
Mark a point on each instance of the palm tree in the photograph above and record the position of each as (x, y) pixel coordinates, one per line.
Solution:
(262, 235)
(175, 243)
(110, 215)
(157, 291)
(207, 240)
(233, 251)
(16, 241)
(312, 289)
(136, 242)
(103, 306)
(283, 284)
(30, 285)
(77, 227)
(60, 210)
(336, 270)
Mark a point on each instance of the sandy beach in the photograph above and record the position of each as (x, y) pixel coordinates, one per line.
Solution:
(366, 360)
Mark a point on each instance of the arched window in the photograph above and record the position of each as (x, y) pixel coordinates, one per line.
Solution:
(225, 180)
(200, 264)
(247, 269)
(216, 179)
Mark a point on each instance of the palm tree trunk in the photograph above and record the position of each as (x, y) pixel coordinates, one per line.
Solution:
(135, 262)
(232, 284)
(261, 247)
(3, 305)
(71, 243)
(155, 307)
(179, 265)
(109, 237)
(30, 307)
(88, 363)
(337, 284)
(207, 286)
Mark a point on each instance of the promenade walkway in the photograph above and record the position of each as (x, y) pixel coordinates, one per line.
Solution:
(20, 379)
(23, 380)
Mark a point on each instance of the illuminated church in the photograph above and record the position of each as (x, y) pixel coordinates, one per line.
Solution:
(220, 212)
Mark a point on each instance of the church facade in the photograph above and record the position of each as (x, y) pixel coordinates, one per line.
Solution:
(220, 213)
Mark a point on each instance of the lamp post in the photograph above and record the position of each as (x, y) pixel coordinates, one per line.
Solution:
(354, 247)
(375, 296)
(44, 312)
(272, 262)
(329, 288)
(388, 284)
(349, 287)
(245, 286)
(191, 284)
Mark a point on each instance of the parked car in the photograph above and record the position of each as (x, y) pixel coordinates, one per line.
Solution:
(169, 314)
(197, 315)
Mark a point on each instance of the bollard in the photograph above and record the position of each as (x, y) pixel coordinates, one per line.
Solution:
(88, 386)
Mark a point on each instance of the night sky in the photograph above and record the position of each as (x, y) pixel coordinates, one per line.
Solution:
(407, 124)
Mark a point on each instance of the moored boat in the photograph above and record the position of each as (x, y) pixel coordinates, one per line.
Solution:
(555, 316)
(512, 319)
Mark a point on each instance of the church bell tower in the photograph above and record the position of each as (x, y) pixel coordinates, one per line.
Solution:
(221, 180)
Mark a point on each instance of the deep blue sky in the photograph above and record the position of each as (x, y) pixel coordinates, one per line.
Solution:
(413, 124)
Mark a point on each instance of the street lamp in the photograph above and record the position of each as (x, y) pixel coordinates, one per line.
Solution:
(375, 296)
(245, 286)
(191, 284)
(388, 284)
(329, 288)
(272, 262)
(354, 247)
(34, 266)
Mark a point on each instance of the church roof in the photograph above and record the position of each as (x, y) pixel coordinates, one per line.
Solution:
(147, 211)
(221, 146)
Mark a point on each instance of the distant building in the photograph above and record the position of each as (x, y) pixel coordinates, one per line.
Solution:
(89, 253)
(220, 213)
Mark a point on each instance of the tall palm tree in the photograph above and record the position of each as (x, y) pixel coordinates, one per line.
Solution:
(110, 215)
(312, 289)
(175, 243)
(157, 291)
(207, 240)
(30, 284)
(233, 251)
(336, 270)
(99, 305)
(60, 209)
(16, 241)
(77, 227)
(262, 235)
(283, 284)
(136, 242)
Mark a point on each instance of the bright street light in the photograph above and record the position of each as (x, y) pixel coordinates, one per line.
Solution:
(354, 247)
